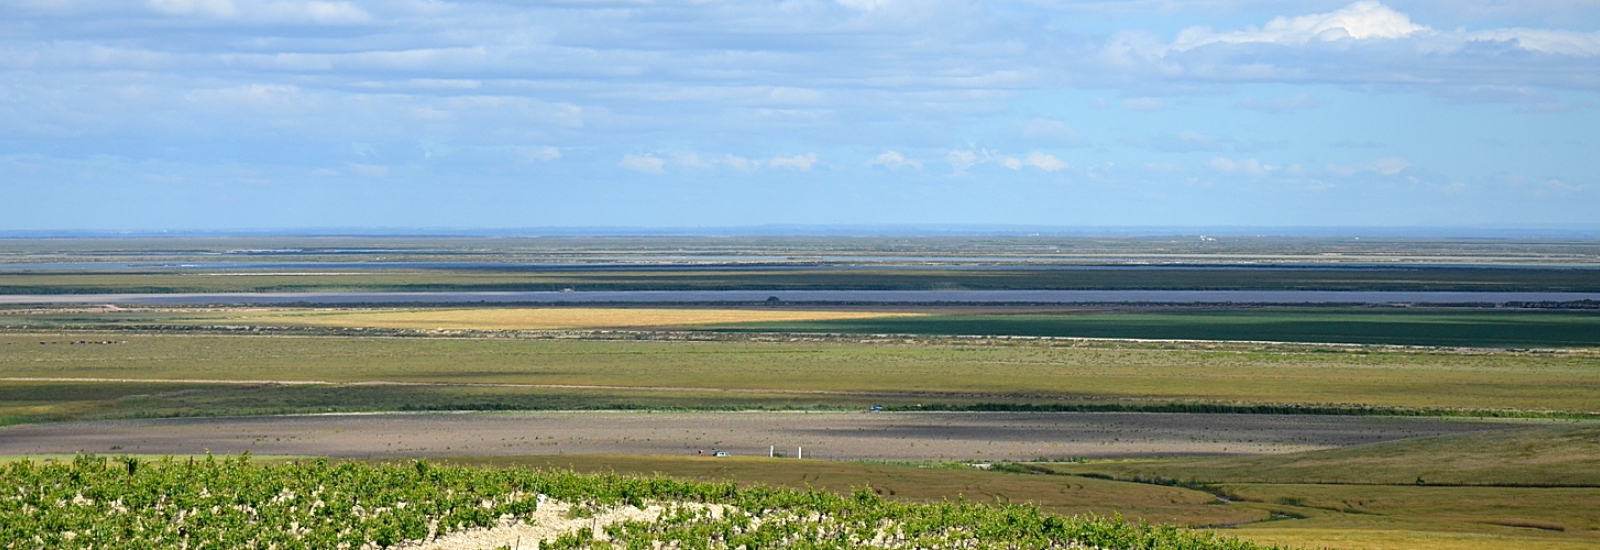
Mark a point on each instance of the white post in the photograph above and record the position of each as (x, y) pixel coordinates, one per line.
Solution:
(799, 452)
(771, 450)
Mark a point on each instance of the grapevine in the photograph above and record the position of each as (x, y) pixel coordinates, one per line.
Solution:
(231, 503)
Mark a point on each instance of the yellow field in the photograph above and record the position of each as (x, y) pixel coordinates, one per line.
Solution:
(1346, 538)
(542, 318)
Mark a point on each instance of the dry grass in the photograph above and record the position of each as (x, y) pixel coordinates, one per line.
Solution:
(867, 372)
(1368, 497)
(1343, 537)
(1058, 494)
(1397, 517)
(546, 318)
(1539, 456)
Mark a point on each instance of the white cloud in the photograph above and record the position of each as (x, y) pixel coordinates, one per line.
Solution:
(738, 163)
(213, 8)
(544, 154)
(260, 97)
(1387, 166)
(1143, 104)
(1048, 163)
(1248, 167)
(892, 159)
(1360, 21)
(1558, 42)
(315, 11)
(1557, 186)
(797, 162)
(1370, 20)
(691, 159)
(962, 160)
(446, 83)
(864, 5)
(649, 164)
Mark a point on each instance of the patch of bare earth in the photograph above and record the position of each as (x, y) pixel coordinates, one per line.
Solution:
(829, 435)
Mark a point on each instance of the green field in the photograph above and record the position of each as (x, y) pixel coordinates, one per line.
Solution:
(1567, 456)
(379, 278)
(1403, 326)
(1530, 488)
(1412, 326)
(134, 504)
(50, 375)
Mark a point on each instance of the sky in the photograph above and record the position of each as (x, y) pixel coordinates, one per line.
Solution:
(280, 114)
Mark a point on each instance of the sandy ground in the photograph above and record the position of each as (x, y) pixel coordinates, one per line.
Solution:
(841, 436)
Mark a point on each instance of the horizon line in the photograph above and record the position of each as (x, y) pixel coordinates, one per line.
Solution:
(842, 231)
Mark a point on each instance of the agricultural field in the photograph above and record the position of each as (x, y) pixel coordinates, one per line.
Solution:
(1372, 427)
(1410, 326)
(817, 435)
(923, 482)
(66, 375)
(1460, 327)
(545, 318)
(231, 503)
(94, 266)
(1528, 488)
(494, 278)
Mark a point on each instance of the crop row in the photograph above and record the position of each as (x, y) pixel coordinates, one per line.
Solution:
(231, 503)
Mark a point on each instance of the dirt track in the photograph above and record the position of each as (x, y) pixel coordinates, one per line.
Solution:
(879, 436)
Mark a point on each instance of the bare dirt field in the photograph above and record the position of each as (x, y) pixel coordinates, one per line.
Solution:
(824, 435)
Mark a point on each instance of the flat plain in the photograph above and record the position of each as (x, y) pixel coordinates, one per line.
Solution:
(1452, 427)
(1526, 488)
(112, 374)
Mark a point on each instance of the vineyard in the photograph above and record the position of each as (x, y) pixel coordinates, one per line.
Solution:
(231, 503)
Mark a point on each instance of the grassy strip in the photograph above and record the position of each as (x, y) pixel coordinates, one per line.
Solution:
(1229, 408)
(1559, 456)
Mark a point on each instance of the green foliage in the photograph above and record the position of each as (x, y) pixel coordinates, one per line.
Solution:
(229, 503)
(1355, 325)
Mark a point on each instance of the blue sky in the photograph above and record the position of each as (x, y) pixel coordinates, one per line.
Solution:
(236, 114)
